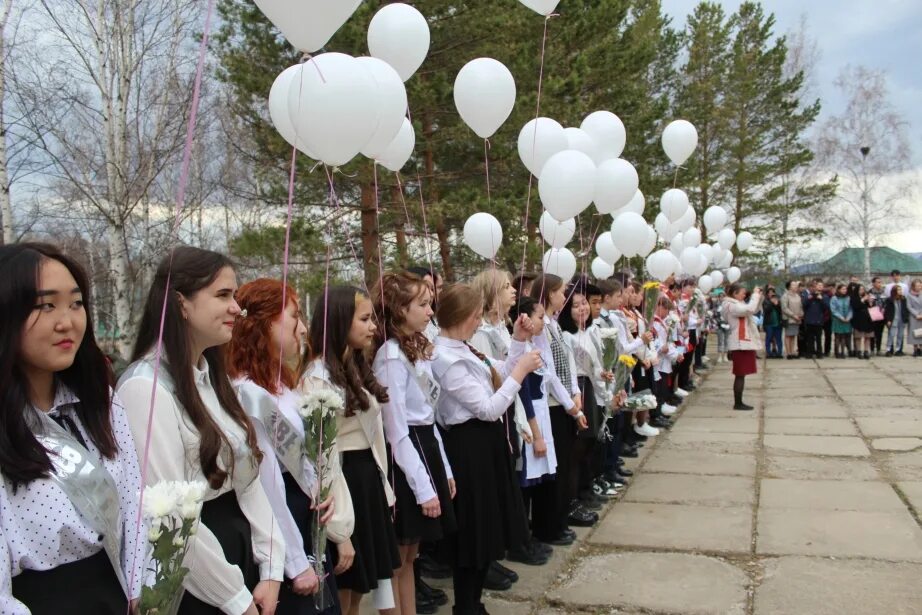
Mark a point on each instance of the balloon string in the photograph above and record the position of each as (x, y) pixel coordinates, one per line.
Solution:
(422, 208)
(486, 166)
(180, 202)
(534, 145)
(675, 179)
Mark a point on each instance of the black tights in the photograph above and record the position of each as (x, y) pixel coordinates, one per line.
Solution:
(738, 384)
(468, 586)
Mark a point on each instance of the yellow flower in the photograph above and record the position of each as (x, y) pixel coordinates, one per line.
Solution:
(651, 285)
(628, 361)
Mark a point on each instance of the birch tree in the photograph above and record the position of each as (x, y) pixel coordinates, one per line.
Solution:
(868, 146)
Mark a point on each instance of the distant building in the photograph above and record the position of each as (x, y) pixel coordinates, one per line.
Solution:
(850, 261)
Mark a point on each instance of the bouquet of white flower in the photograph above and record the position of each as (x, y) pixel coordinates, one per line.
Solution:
(640, 401)
(318, 414)
(171, 510)
(609, 346)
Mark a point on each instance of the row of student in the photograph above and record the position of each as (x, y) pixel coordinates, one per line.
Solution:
(462, 490)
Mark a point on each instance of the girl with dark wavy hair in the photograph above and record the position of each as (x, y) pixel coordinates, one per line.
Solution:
(342, 332)
(200, 432)
(61, 423)
(423, 483)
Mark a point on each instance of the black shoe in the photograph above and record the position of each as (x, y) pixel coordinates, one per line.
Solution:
(580, 517)
(509, 573)
(889, 353)
(629, 452)
(563, 539)
(742, 406)
(568, 533)
(540, 548)
(432, 569)
(425, 606)
(527, 556)
(624, 472)
(702, 368)
(898, 353)
(496, 580)
(430, 593)
(690, 387)
(661, 422)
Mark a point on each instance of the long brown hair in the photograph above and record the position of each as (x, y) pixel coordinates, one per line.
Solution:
(348, 367)
(252, 351)
(189, 271)
(393, 293)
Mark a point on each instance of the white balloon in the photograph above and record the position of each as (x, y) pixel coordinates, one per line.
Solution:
(674, 203)
(706, 250)
(606, 249)
(733, 274)
(580, 141)
(726, 260)
(691, 238)
(567, 184)
(308, 24)
(601, 270)
(715, 218)
(559, 262)
(483, 234)
(484, 95)
(705, 283)
(677, 244)
(726, 237)
(615, 185)
(661, 264)
(400, 149)
(649, 243)
(699, 266)
(717, 253)
(672, 229)
(607, 130)
(717, 277)
(679, 141)
(629, 233)
(332, 103)
(399, 35)
(392, 105)
(540, 139)
(637, 204)
(687, 220)
(661, 224)
(744, 241)
(558, 234)
(278, 108)
(542, 7)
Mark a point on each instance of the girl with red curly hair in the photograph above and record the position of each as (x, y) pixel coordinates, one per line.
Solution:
(264, 359)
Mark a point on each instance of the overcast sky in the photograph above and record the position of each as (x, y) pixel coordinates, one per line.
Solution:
(880, 34)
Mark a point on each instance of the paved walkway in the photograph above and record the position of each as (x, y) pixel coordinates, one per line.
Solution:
(811, 504)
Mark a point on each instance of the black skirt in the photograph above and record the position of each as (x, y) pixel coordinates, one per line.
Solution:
(86, 586)
(410, 524)
(590, 409)
(291, 603)
(374, 541)
(488, 507)
(223, 517)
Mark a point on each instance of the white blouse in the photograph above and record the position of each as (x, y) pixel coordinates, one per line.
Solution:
(407, 405)
(40, 529)
(586, 345)
(174, 456)
(556, 389)
(467, 388)
(256, 400)
(494, 341)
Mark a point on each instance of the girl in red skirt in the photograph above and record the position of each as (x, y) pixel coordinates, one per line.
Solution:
(743, 338)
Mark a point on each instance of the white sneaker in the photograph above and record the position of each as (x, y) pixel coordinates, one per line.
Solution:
(705, 360)
(668, 410)
(680, 392)
(646, 430)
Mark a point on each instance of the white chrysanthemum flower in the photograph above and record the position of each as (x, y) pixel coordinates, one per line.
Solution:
(154, 533)
(159, 500)
(189, 510)
(178, 540)
(191, 493)
(609, 333)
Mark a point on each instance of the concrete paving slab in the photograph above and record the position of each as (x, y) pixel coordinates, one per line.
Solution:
(534, 580)
(734, 443)
(701, 490)
(810, 426)
(677, 526)
(819, 468)
(904, 466)
(837, 587)
(896, 444)
(722, 410)
(700, 462)
(890, 536)
(798, 392)
(913, 492)
(741, 424)
(883, 401)
(873, 426)
(697, 584)
(819, 407)
(828, 495)
(839, 446)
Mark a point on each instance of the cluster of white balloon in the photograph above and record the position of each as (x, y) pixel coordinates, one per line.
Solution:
(335, 106)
